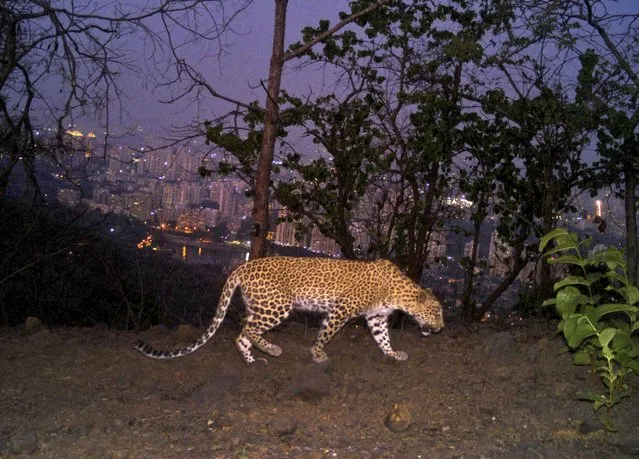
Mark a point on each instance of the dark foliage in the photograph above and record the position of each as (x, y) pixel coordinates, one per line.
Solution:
(62, 267)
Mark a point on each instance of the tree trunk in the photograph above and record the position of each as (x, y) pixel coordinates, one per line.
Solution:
(468, 306)
(267, 150)
(520, 263)
(630, 180)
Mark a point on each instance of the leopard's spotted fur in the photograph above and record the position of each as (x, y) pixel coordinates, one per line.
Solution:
(340, 289)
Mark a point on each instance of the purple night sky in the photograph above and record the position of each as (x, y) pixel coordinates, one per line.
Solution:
(235, 72)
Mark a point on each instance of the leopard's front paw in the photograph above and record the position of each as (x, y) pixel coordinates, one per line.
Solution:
(273, 350)
(319, 355)
(400, 355)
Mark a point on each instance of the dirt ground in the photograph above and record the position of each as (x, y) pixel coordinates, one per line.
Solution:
(486, 392)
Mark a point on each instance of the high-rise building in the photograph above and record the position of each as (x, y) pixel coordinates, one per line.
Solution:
(285, 231)
(437, 245)
(323, 244)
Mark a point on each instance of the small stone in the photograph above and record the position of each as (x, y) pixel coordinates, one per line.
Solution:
(32, 325)
(399, 419)
(589, 426)
(282, 426)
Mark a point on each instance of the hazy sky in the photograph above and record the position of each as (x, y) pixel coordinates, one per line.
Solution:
(236, 71)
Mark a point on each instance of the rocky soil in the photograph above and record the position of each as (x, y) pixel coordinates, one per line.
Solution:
(486, 392)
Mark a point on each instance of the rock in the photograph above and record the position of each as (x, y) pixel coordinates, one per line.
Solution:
(4, 446)
(282, 426)
(32, 325)
(500, 344)
(399, 419)
(589, 426)
(23, 443)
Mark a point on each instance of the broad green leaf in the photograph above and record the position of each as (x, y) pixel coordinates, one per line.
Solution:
(616, 276)
(610, 256)
(567, 300)
(568, 259)
(591, 396)
(631, 293)
(570, 280)
(563, 242)
(577, 329)
(635, 327)
(548, 302)
(557, 232)
(612, 307)
(581, 357)
(598, 404)
(607, 353)
(594, 277)
(634, 366)
(606, 335)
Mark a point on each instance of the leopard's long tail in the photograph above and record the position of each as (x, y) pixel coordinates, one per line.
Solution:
(222, 306)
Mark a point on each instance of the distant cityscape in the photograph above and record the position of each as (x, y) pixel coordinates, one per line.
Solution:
(160, 187)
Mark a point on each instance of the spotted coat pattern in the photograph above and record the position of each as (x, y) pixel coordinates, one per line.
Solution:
(339, 289)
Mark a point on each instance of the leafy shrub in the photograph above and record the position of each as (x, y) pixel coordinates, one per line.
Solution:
(596, 302)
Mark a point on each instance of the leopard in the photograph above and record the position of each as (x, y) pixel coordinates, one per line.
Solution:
(338, 289)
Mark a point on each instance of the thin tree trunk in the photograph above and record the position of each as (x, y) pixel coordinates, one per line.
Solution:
(519, 264)
(271, 116)
(468, 306)
(630, 180)
(267, 150)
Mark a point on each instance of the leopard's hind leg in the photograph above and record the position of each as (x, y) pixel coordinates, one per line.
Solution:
(331, 324)
(259, 320)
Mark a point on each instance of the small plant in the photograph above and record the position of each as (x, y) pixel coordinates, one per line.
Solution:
(597, 304)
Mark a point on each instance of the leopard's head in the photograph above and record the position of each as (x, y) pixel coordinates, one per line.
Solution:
(428, 312)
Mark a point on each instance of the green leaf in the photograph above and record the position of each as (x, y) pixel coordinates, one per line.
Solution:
(631, 293)
(567, 259)
(609, 308)
(567, 300)
(606, 335)
(581, 357)
(614, 275)
(571, 280)
(577, 329)
(590, 396)
(556, 233)
(610, 256)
